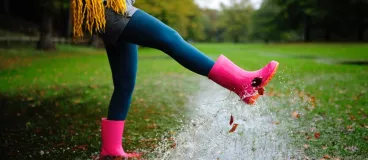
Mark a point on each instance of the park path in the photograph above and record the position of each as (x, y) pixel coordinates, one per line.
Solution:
(206, 136)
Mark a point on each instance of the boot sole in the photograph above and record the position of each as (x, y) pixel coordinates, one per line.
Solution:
(253, 99)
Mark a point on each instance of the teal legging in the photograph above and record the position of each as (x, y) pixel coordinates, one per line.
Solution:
(145, 30)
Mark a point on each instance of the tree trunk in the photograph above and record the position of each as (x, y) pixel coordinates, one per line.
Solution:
(361, 32)
(70, 27)
(45, 42)
(235, 38)
(360, 19)
(266, 41)
(94, 41)
(307, 29)
(327, 33)
(6, 7)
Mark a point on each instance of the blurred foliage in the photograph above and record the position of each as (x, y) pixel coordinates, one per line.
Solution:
(274, 21)
(236, 19)
(181, 15)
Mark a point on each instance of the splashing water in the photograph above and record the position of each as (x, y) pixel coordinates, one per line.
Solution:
(261, 133)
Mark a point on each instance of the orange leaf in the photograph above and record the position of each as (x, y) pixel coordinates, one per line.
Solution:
(326, 156)
(313, 101)
(231, 119)
(233, 128)
(352, 118)
(317, 135)
(295, 114)
(349, 127)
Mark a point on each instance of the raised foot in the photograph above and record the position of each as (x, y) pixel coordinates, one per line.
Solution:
(260, 85)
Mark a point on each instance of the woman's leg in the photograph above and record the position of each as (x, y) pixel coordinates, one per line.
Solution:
(123, 63)
(144, 29)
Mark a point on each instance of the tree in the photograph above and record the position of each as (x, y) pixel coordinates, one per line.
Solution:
(210, 21)
(237, 20)
(49, 9)
(265, 24)
(181, 15)
(6, 7)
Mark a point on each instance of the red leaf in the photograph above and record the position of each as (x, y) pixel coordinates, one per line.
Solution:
(261, 91)
(231, 119)
(317, 135)
(233, 128)
(80, 147)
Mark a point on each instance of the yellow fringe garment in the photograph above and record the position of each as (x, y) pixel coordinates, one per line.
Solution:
(90, 14)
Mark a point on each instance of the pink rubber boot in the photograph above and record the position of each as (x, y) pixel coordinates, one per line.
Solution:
(112, 133)
(246, 84)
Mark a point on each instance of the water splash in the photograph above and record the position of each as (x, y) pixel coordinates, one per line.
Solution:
(261, 134)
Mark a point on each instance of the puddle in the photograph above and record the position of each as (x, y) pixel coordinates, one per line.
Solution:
(206, 135)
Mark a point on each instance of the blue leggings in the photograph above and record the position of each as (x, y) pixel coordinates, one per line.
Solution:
(145, 30)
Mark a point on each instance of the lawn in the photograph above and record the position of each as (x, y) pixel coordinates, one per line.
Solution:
(52, 103)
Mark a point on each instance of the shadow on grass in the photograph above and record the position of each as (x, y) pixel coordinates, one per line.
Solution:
(39, 125)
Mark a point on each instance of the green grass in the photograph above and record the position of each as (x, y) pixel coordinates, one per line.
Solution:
(54, 101)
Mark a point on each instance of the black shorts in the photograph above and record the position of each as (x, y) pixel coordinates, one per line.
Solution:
(115, 24)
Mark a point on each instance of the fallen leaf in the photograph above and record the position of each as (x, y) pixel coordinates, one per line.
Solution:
(317, 134)
(308, 137)
(276, 122)
(37, 131)
(306, 146)
(313, 101)
(295, 115)
(231, 119)
(60, 144)
(173, 145)
(261, 91)
(352, 118)
(152, 126)
(307, 158)
(326, 156)
(82, 147)
(233, 128)
(350, 128)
